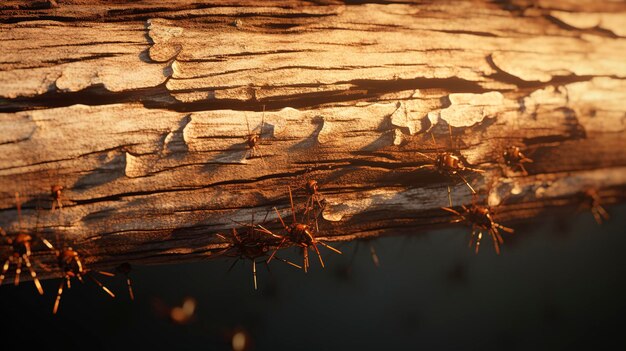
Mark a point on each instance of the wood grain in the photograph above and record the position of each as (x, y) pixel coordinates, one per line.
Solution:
(140, 110)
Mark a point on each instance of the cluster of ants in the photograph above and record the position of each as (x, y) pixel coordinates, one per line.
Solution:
(69, 260)
(255, 241)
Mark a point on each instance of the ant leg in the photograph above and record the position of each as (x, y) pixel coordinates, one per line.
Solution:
(293, 211)
(287, 262)
(58, 299)
(254, 273)
(318, 254)
(18, 271)
(47, 243)
(329, 247)
(232, 265)
(276, 249)
(471, 241)
(5, 268)
(496, 240)
(480, 236)
(524, 171)
(467, 183)
(452, 211)
(427, 157)
(596, 216)
(261, 156)
(102, 286)
(279, 217)
(374, 255)
(449, 196)
(306, 259)
(602, 212)
(506, 229)
(130, 288)
(33, 275)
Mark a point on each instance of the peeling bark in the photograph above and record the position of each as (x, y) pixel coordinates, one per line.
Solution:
(140, 111)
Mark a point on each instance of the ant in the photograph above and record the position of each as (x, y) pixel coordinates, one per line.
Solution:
(251, 246)
(253, 139)
(591, 200)
(55, 193)
(300, 234)
(21, 245)
(480, 218)
(514, 158)
(313, 198)
(72, 266)
(313, 195)
(448, 164)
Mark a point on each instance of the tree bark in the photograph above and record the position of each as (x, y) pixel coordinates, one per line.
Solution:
(140, 111)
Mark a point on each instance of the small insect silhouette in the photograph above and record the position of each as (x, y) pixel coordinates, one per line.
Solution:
(449, 164)
(302, 235)
(514, 159)
(252, 245)
(253, 139)
(57, 196)
(480, 218)
(72, 266)
(592, 201)
(21, 245)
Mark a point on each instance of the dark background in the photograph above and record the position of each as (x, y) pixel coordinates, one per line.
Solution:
(559, 284)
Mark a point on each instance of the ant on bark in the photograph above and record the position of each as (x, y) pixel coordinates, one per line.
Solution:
(514, 158)
(72, 266)
(250, 245)
(253, 139)
(448, 164)
(480, 218)
(314, 198)
(300, 234)
(56, 195)
(21, 245)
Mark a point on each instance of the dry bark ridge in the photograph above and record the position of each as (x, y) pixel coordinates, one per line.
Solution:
(140, 111)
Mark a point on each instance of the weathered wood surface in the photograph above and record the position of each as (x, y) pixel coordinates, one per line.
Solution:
(140, 111)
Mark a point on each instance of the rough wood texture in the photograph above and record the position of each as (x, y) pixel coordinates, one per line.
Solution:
(140, 109)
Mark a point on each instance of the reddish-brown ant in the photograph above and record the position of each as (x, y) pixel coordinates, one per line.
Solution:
(300, 234)
(21, 245)
(250, 245)
(514, 158)
(72, 266)
(591, 200)
(55, 194)
(480, 218)
(449, 165)
(313, 198)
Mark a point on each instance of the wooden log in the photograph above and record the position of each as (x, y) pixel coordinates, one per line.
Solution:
(140, 112)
